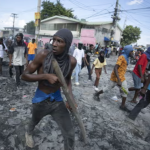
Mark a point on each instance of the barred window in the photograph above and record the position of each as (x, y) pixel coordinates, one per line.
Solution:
(72, 26)
(104, 30)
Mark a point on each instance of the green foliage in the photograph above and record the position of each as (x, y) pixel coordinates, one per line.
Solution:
(130, 35)
(50, 9)
(30, 27)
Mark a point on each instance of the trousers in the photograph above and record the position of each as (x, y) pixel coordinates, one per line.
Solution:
(89, 71)
(19, 71)
(143, 103)
(60, 114)
(76, 72)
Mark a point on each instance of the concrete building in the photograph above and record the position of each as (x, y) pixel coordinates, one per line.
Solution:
(83, 31)
(8, 31)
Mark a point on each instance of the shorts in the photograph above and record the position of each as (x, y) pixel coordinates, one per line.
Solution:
(137, 81)
(31, 56)
(113, 84)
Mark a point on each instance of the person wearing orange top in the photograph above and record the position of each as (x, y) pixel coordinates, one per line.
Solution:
(118, 76)
(31, 50)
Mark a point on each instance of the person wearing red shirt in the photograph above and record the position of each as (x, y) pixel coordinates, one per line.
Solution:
(138, 73)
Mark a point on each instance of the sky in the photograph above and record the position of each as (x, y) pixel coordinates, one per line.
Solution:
(91, 10)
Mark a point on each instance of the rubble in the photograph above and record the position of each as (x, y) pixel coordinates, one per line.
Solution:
(107, 127)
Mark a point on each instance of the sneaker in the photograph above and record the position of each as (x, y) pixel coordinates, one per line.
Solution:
(29, 140)
(96, 97)
(96, 89)
(77, 83)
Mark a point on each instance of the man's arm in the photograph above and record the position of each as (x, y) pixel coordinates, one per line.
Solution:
(11, 51)
(68, 79)
(143, 90)
(35, 65)
(140, 71)
(86, 60)
(105, 69)
(116, 73)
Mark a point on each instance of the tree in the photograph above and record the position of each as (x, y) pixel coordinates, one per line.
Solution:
(130, 35)
(51, 9)
(30, 27)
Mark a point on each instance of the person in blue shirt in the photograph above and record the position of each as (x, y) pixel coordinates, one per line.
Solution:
(47, 99)
(144, 102)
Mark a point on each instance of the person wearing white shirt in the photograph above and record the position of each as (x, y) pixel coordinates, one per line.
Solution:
(79, 55)
(2, 48)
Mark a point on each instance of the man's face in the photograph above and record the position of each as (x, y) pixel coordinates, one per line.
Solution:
(18, 38)
(131, 54)
(91, 47)
(58, 45)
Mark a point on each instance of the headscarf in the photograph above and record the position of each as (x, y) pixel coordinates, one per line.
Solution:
(148, 53)
(126, 51)
(101, 58)
(62, 59)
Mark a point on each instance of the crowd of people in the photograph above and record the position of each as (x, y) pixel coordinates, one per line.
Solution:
(48, 99)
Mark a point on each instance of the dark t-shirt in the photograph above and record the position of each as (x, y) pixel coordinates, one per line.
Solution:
(88, 54)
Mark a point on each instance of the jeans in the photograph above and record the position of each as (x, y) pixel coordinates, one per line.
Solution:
(89, 71)
(19, 71)
(60, 114)
(143, 103)
(10, 71)
(76, 72)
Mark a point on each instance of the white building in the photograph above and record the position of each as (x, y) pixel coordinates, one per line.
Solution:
(83, 31)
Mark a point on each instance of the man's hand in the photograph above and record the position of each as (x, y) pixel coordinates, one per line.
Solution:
(68, 106)
(143, 92)
(10, 64)
(142, 79)
(53, 79)
(119, 83)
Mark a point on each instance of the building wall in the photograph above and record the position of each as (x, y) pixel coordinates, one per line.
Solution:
(58, 21)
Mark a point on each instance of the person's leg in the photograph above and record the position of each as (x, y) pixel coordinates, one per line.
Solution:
(105, 89)
(10, 71)
(1, 60)
(21, 70)
(62, 117)
(77, 69)
(98, 73)
(39, 110)
(143, 103)
(89, 71)
(74, 72)
(17, 69)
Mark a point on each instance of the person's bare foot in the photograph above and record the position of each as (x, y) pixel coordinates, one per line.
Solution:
(133, 101)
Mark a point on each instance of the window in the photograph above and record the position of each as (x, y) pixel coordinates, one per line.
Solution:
(72, 26)
(104, 30)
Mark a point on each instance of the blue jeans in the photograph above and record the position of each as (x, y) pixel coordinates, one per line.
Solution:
(76, 72)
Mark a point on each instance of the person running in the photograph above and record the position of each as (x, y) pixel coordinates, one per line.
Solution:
(118, 76)
(138, 74)
(79, 55)
(9, 44)
(144, 102)
(32, 47)
(88, 54)
(2, 48)
(48, 99)
(18, 55)
(99, 63)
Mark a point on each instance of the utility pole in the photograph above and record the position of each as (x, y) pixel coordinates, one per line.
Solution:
(124, 26)
(115, 19)
(38, 27)
(14, 16)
